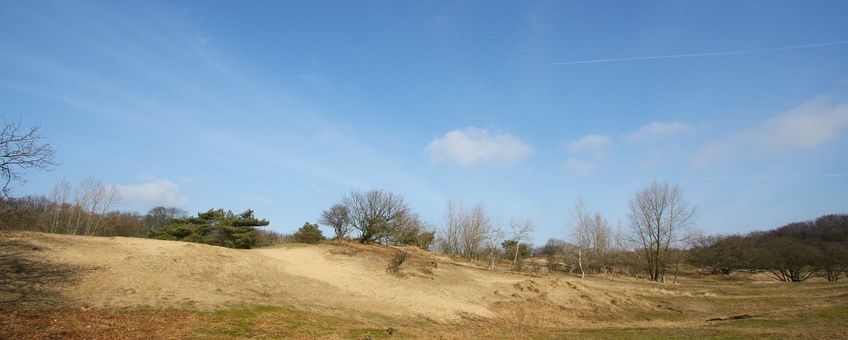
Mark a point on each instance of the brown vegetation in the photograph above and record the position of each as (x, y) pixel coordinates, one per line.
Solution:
(125, 287)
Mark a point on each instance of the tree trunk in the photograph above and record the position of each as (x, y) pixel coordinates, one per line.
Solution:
(676, 269)
(515, 259)
(580, 262)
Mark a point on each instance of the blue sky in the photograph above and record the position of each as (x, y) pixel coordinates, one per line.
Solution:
(283, 107)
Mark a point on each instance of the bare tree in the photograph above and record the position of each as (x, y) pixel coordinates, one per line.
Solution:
(159, 217)
(337, 217)
(449, 237)
(465, 230)
(97, 199)
(659, 217)
(20, 149)
(520, 232)
(376, 214)
(473, 233)
(581, 232)
(60, 196)
(448, 242)
(494, 237)
(592, 235)
(413, 231)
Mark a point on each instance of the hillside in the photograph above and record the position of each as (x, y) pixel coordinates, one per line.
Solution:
(350, 281)
(119, 272)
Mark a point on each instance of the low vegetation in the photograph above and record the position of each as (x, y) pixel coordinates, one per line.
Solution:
(308, 233)
(213, 227)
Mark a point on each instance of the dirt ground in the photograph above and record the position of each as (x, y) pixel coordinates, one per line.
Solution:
(345, 290)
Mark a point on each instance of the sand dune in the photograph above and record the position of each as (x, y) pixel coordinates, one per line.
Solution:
(346, 279)
(121, 272)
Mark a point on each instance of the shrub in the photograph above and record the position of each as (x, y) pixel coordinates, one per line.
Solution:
(266, 238)
(214, 227)
(396, 262)
(308, 233)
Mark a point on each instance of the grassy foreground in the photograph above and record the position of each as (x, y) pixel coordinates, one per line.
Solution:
(829, 321)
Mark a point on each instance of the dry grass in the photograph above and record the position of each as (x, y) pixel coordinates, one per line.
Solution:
(342, 290)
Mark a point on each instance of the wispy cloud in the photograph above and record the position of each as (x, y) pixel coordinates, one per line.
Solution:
(176, 56)
(591, 146)
(579, 166)
(596, 144)
(701, 55)
(473, 146)
(152, 193)
(809, 125)
(656, 130)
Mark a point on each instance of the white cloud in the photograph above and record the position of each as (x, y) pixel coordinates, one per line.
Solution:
(472, 146)
(153, 193)
(806, 126)
(809, 125)
(579, 166)
(591, 143)
(656, 130)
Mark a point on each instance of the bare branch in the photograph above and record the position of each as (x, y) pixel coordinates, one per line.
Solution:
(21, 149)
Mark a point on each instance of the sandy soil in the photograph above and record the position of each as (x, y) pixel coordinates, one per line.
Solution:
(142, 273)
(49, 271)
(347, 284)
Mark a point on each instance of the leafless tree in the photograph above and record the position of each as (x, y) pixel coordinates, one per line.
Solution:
(592, 235)
(337, 217)
(449, 237)
(92, 200)
(97, 200)
(494, 236)
(376, 214)
(21, 149)
(521, 230)
(60, 196)
(581, 233)
(158, 217)
(465, 230)
(474, 231)
(413, 231)
(659, 217)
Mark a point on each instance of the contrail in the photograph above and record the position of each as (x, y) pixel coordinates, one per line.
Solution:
(698, 55)
(741, 177)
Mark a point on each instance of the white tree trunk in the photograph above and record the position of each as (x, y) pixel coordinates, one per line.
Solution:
(580, 262)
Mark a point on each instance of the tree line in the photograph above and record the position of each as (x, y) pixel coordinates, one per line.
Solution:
(658, 237)
(794, 252)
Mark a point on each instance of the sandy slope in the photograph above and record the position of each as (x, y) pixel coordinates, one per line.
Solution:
(141, 273)
(347, 279)
(349, 282)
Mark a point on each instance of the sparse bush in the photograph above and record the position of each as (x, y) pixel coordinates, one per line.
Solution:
(413, 232)
(266, 238)
(396, 262)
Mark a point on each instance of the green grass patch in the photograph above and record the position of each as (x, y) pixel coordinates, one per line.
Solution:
(282, 322)
(656, 333)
